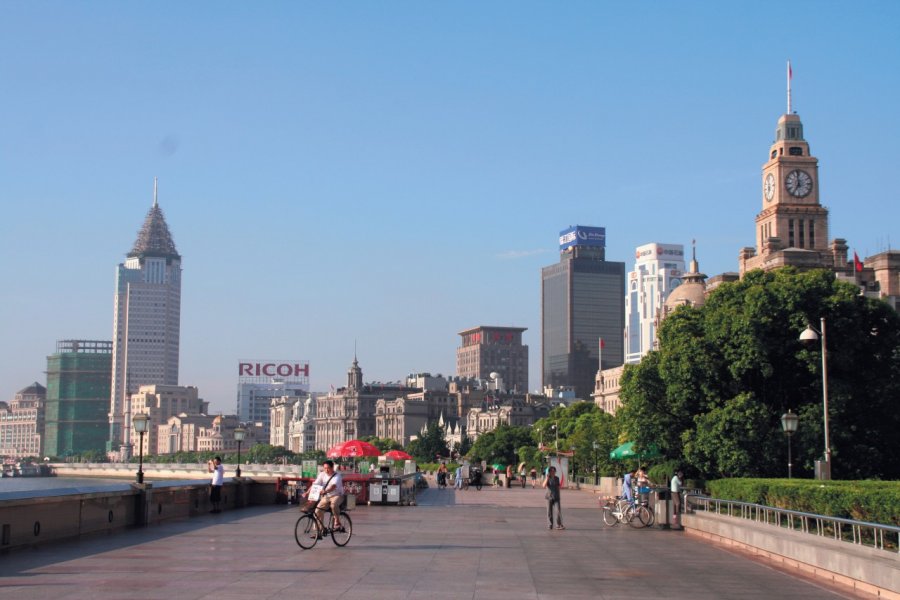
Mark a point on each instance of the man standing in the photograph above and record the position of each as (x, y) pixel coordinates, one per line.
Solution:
(675, 488)
(215, 484)
(332, 493)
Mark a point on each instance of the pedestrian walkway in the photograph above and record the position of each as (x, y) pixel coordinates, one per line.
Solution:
(491, 544)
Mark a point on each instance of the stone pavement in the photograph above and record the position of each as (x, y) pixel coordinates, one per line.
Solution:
(490, 544)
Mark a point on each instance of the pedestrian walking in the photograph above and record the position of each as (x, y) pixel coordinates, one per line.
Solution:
(551, 483)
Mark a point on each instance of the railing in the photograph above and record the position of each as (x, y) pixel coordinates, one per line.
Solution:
(874, 535)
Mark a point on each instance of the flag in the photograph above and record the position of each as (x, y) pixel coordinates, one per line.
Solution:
(857, 264)
(790, 71)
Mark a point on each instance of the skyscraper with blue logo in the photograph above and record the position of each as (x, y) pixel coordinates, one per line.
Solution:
(582, 309)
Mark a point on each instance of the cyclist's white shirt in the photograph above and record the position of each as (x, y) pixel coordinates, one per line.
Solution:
(337, 481)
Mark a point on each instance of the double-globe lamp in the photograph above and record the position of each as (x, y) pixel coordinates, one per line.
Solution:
(141, 424)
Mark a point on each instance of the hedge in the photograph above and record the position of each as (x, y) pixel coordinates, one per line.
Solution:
(871, 501)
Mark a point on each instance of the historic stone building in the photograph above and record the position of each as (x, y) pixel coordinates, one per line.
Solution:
(22, 423)
(161, 402)
(219, 436)
(521, 410)
(181, 433)
(349, 412)
(292, 423)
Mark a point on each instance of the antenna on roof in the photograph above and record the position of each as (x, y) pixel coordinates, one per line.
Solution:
(155, 202)
(790, 75)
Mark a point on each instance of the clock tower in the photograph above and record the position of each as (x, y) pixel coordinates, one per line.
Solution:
(792, 228)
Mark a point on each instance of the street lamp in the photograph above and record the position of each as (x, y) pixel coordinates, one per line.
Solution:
(596, 447)
(239, 434)
(809, 335)
(574, 472)
(789, 422)
(141, 423)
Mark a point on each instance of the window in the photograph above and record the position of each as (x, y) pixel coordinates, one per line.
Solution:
(790, 233)
(795, 151)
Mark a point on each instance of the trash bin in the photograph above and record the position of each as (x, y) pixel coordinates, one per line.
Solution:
(661, 505)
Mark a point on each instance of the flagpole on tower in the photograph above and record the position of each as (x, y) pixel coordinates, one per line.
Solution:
(790, 75)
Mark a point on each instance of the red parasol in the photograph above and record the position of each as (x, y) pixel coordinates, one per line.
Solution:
(353, 449)
(398, 455)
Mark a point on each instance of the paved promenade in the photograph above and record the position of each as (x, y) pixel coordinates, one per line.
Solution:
(491, 544)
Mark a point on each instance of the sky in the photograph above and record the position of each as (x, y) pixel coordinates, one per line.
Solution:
(375, 177)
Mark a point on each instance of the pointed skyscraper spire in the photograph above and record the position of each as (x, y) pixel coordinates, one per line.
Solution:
(154, 238)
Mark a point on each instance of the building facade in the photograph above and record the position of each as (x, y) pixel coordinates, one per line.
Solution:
(146, 323)
(78, 391)
(658, 269)
(22, 423)
(582, 309)
(161, 402)
(489, 349)
(292, 423)
(181, 433)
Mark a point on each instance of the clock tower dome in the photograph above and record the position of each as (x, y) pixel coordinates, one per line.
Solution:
(792, 227)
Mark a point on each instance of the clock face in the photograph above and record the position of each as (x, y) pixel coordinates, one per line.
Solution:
(798, 183)
(769, 186)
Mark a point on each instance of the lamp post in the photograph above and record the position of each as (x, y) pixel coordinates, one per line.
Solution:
(596, 447)
(811, 334)
(239, 434)
(789, 422)
(141, 423)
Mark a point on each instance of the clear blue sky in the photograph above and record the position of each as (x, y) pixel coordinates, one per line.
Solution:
(391, 173)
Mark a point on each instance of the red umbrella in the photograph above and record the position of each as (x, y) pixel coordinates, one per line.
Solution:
(353, 449)
(398, 455)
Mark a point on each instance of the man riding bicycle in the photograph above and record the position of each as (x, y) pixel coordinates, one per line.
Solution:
(332, 485)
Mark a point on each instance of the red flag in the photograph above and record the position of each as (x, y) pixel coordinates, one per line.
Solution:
(857, 264)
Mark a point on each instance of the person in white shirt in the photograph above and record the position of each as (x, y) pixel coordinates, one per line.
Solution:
(675, 488)
(332, 493)
(215, 483)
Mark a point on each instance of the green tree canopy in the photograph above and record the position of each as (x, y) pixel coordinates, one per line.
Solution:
(714, 392)
(431, 445)
(501, 445)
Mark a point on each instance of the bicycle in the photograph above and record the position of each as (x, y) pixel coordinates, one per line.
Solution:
(621, 510)
(308, 530)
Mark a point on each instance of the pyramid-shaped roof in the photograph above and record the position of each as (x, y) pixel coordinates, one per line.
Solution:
(154, 238)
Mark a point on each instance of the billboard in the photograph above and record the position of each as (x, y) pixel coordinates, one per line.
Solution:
(580, 235)
(259, 371)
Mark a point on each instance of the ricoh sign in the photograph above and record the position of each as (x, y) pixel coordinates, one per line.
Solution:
(287, 370)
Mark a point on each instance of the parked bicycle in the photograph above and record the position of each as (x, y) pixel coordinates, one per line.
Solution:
(622, 510)
(308, 530)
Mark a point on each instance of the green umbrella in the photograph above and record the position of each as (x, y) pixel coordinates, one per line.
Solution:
(627, 450)
(498, 467)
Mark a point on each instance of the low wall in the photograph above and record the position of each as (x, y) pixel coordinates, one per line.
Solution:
(863, 569)
(108, 508)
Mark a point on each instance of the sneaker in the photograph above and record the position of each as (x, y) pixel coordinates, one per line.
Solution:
(560, 527)
(549, 526)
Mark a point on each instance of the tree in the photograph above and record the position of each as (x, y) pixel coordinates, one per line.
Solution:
(431, 445)
(383, 444)
(501, 445)
(713, 394)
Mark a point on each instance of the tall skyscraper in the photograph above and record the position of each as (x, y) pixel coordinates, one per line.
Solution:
(78, 389)
(658, 270)
(146, 322)
(500, 350)
(582, 303)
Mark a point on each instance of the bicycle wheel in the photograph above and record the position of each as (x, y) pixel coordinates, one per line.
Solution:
(609, 518)
(341, 535)
(640, 516)
(306, 531)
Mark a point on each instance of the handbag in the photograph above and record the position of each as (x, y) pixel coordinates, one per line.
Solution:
(315, 492)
